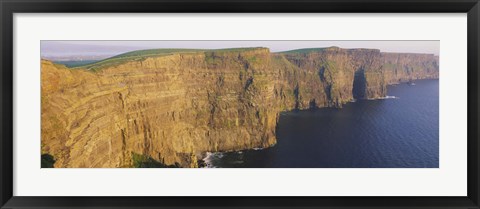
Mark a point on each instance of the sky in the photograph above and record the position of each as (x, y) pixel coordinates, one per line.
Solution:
(65, 50)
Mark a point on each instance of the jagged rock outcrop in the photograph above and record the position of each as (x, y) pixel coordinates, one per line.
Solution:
(172, 108)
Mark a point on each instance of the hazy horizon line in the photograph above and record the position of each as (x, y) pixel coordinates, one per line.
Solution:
(97, 50)
(211, 49)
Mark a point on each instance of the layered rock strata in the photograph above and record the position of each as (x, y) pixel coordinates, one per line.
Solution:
(172, 108)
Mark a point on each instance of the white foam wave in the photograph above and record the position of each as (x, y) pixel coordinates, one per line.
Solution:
(386, 97)
(208, 159)
(391, 97)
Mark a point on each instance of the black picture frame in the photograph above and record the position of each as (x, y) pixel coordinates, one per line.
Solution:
(9, 7)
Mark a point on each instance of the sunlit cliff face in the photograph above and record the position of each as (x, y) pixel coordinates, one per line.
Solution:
(172, 108)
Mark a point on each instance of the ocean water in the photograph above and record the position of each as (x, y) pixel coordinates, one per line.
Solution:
(400, 131)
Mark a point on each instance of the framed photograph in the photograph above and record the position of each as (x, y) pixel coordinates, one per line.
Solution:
(264, 104)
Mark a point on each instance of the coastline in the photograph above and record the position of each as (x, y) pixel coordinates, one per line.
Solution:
(209, 158)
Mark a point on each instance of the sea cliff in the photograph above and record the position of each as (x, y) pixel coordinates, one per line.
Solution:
(170, 108)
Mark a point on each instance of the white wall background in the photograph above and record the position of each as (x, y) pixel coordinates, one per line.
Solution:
(448, 180)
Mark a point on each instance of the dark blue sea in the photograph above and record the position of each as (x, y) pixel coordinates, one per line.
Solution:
(400, 131)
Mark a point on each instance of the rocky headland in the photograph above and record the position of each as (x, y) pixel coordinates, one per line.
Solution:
(165, 109)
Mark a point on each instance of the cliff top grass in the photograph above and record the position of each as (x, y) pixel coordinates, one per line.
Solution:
(331, 48)
(307, 50)
(143, 54)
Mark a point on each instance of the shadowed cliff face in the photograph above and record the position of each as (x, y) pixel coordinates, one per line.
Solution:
(172, 108)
